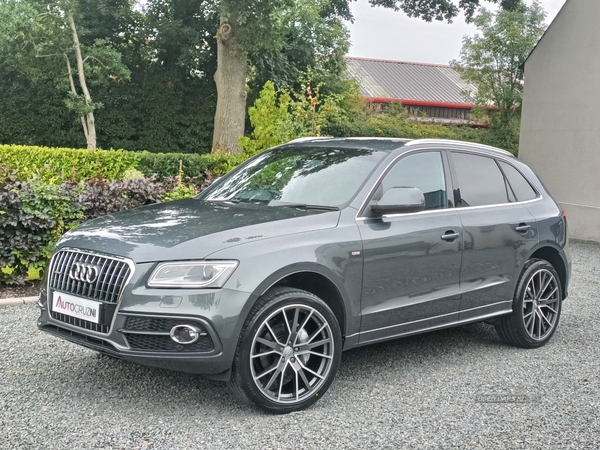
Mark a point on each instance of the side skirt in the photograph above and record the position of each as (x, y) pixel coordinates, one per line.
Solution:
(363, 338)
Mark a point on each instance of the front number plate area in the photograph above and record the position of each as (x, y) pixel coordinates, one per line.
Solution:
(73, 306)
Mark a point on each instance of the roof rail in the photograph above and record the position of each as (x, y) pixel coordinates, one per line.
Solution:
(308, 138)
(463, 143)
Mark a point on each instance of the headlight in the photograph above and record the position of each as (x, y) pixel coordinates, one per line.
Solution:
(192, 274)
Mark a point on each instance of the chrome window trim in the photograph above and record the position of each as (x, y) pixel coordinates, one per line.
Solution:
(127, 261)
(385, 171)
(418, 150)
(460, 208)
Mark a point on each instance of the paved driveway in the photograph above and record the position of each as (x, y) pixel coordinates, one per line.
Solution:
(459, 388)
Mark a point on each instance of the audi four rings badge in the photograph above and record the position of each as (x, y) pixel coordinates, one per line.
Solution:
(84, 272)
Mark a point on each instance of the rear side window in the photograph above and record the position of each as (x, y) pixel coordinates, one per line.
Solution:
(520, 186)
(480, 181)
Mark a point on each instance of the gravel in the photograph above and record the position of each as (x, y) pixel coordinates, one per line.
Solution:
(458, 388)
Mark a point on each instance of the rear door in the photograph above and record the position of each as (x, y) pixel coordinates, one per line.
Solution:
(498, 235)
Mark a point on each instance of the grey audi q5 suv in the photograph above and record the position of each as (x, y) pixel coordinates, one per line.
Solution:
(311, 248)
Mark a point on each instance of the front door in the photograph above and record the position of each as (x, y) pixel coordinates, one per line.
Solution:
(411, 261)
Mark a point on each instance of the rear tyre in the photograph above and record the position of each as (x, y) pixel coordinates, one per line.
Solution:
(536, 307)
(288, 353)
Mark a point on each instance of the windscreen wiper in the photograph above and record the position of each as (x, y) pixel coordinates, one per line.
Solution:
(303, 206)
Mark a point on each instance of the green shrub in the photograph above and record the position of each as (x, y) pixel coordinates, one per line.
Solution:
(180, 192)
(98, 197)
(164, 165)
(279, 116)
(132, 173)
(55, 165)
(33, 215)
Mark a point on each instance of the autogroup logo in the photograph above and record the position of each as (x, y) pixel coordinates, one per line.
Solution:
(85, 272)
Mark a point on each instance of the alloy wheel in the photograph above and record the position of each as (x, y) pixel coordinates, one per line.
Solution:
(292, 354)
(541, 304)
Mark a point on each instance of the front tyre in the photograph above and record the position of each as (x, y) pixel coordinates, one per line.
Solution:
(536, 308)
(288, 353)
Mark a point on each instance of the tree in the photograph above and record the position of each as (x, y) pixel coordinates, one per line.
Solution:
(42, 40)
(253, 26)
(493, 59)
(265, 36)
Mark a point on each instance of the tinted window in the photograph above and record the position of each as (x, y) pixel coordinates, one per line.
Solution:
(421, 170)
(479, 179)
(520, 186)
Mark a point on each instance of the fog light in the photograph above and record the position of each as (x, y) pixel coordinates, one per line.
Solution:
(185, 334)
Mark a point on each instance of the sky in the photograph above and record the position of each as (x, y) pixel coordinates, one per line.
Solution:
(384, 34)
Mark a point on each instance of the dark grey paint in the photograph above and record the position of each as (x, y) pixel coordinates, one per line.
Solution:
(395, 275)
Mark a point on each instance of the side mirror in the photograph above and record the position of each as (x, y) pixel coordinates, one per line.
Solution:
(399, 200)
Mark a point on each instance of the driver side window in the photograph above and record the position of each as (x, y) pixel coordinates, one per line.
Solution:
(424, 171)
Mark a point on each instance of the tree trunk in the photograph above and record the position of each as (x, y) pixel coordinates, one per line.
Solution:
(88, 121)
(230, 79)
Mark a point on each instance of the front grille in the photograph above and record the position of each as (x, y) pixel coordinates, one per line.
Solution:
(81, 323)
(162, 343)
(109, 281)
(106, 284)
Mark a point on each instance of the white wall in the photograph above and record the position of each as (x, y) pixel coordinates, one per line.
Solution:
(560, 126)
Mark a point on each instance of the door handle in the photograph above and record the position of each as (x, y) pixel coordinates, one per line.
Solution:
(450, 236)
(523, 228)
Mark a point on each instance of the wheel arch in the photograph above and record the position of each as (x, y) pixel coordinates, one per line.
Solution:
(312, 278)
(553, 256)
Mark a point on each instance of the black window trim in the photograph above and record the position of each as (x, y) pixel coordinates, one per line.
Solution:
(453, 178)
(361, 214)
(537, 193)
(456, 186)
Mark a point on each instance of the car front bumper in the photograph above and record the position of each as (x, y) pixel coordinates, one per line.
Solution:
(137, 328)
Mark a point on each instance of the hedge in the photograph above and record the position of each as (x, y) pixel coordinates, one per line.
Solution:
(164, 165)
(34, 214)
(46, 191)
(57, 165)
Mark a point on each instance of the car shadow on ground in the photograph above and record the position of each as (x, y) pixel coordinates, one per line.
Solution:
(109, 380)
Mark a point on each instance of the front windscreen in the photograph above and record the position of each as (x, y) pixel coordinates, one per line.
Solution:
(326, 176)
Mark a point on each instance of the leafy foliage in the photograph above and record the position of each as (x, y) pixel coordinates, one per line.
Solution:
(42, 42)
(494, 57)
(34, 214)
(55, 165)
(429, 10)
(98, 196)
(280, 116)
(283, 115)
(313, 38)
(164, 165)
